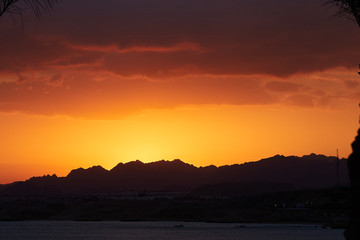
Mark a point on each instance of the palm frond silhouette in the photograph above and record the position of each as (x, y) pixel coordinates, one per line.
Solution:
(347, 8)
(16, 7)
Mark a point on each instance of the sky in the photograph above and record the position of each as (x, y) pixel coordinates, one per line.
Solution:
(209, 82)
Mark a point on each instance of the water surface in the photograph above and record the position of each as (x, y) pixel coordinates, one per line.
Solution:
(75, 230)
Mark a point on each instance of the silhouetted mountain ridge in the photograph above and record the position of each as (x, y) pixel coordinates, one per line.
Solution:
(275, 173)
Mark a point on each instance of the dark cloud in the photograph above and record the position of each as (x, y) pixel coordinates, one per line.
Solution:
(272, 37)
(22, 52)
(87, 58)
(21, 79)
(351, 83)
(116, 98)
(302, 100)
(277, 86)
(56, 80)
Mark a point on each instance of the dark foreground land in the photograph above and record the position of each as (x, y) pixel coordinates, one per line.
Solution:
(326, 206)
(269, 190)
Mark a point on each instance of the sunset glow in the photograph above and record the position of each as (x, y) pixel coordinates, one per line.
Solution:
(207, 82)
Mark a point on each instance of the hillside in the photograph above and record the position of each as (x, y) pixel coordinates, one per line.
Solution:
(278, 173)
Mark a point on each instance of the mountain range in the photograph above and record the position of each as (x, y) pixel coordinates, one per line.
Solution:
(277, 173)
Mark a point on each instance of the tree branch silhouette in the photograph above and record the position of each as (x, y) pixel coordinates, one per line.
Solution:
(347, 8)
(16, 7)
(351, 10)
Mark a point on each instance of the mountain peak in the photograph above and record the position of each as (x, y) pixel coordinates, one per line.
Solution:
(94, 170)
(309, 171)
(138, 163)
(135, 163)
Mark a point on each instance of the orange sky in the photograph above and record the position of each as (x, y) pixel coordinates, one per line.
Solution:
(209, 82)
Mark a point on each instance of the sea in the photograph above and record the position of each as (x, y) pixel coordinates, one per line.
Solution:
(104, 230)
